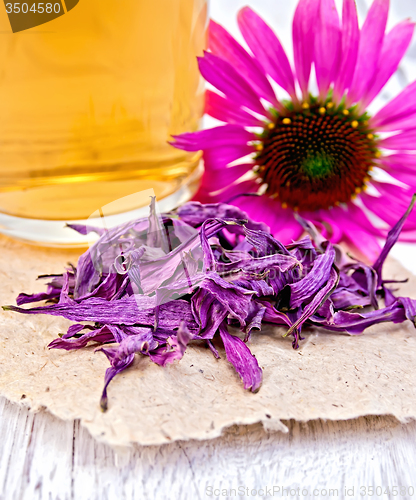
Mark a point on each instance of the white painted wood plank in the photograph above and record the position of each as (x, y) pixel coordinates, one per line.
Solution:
(36, 454)
(42, 457)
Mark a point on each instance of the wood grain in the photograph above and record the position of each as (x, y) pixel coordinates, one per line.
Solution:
(43, 457)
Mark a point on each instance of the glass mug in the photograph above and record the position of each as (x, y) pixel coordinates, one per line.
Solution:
(90, 98)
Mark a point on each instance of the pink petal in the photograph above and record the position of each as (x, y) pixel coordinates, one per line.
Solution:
(304, 27)
(225, 46)
(405, 141)
(214, 180)
(202, 195)
(224, 135)
(225, 78)
(399, 108)
(228, 111)
(263, 209)
(395, 44)
(357, 214)
(325, 223)
(408, 236)
(391, 205)
(267, 48)
(350, 224)
(402, 167)
(221, 157)
(404, 176)
(371, 42)
(340, 219)
(327, 46)
(406, 123)
(378, 206)
(235, 191)
(366, 243)
(349, 51)
(402, 161)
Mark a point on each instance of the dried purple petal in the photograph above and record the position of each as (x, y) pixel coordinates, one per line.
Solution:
(314, 280)
(264, 243)
(409, 306)
(236, 300)
(392, 237)
(245, 364)
(342, 298)
(366, 277)
(156, 236)
(133, 310)
(254, 319)
(101, 335)
(53, 289)
(310, 228)
(175, 347)
(111, 372)
(208, 312)
(195, 214)
(357, 322)
(318, 298)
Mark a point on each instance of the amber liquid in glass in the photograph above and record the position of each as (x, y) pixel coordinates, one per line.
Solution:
(89, 101)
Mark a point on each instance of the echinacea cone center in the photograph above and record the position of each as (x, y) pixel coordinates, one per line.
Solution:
(316, 155)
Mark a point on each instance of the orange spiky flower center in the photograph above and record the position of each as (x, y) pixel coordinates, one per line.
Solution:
(315, 155)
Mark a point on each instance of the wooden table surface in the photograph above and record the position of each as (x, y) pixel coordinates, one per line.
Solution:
(44, 458)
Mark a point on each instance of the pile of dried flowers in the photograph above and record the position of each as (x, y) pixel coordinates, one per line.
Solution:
(153, 285)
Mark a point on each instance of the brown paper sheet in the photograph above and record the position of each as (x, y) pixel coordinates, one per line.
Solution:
(331, 376)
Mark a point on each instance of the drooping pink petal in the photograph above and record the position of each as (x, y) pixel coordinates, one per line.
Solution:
(202, 195)
(399, 108)
(224, 135)
(351, 224)
(405, 141)
(213, 180)
(360, 218)
(395, 44)
(327, 46)
(350, 40)
(399, 161)
(353, 213)
(304, 27)
(225, 78)
(228, 111)
(391, 204)
(225, 46)
(220, 157)
(408, 235)
(281, 221)
(331, 230)
(285, 226)
(267, 49)
(367, 245)
(371, 42)
(227, 195)
(408, 122)
(404, 170)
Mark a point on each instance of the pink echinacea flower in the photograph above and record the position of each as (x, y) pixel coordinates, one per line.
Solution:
(313, 154)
